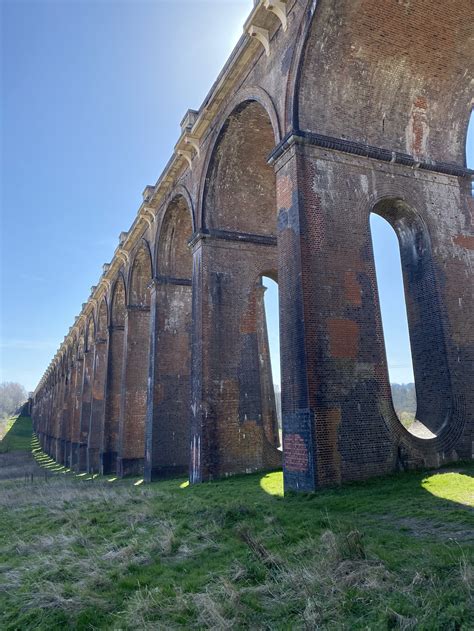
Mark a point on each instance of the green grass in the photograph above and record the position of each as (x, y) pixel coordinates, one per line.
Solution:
(18, 435)
(102, 553)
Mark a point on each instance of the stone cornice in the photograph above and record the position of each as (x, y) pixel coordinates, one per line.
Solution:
(229, 235)
(367, 151)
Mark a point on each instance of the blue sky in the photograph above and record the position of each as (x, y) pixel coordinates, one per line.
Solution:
(92, 96)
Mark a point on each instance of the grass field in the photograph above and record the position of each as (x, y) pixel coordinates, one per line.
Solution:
(99, 553)
(17, 435)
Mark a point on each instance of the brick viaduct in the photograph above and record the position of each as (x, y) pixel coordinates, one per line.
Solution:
(326, 111)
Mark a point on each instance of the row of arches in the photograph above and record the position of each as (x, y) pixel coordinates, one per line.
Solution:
(172, 371)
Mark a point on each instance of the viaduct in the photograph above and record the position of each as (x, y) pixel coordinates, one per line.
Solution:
(327, 111)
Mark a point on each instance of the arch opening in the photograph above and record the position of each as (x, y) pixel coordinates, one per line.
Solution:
(140, 279)
(415, 354)
(272, 323)
(102, 319)
(470, 146)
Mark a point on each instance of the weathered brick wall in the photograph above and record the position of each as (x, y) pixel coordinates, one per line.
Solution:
(98, 394)
(227, 424)
(341, 424)
(133, 403)
(77, 403)
(359, 106)
(86, 402)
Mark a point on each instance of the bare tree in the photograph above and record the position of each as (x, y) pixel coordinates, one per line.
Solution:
(12, 395)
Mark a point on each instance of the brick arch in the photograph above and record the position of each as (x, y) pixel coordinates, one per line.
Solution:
(253, 94)
(239, 190)
(102, 317)
(81, 342)
(389, 55)
(167, 431)
(119, 301)
(140, 276)
(107, 442)
(173, 256)
(90, 332)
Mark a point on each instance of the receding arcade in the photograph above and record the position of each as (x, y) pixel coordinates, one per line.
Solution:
(325, 113)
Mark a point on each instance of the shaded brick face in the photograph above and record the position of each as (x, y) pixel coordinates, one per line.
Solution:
(234, 419)
(110, 433)
(240, 186)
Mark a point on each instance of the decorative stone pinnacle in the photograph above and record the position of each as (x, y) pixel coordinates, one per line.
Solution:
(148, 193)
(189, 119)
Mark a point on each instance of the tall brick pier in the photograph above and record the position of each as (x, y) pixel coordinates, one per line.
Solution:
(327, 111)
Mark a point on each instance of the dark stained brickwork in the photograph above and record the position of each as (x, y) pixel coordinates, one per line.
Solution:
(342, 110)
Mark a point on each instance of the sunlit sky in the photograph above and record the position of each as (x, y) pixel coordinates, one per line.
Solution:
(92, 96)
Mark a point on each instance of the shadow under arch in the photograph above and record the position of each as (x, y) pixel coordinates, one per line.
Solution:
(258, 100)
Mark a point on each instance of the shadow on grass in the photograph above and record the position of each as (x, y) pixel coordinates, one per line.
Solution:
(18, 436)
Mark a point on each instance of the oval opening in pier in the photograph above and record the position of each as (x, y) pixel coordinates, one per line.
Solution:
(272, 317)
(395, 325)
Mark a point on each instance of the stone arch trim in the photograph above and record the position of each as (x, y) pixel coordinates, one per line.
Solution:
(245, 94)
(291, 97)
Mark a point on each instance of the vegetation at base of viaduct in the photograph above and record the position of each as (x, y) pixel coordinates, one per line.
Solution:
(83, 552)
